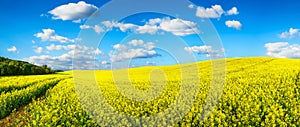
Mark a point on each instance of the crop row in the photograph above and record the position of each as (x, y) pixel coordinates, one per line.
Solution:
(60, 107)
(21, 83)
(257, 92)
(16, 99)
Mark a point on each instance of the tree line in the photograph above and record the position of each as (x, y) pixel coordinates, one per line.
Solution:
(15, 67)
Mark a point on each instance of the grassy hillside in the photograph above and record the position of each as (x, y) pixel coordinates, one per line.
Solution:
(15, 67)
(257, 92)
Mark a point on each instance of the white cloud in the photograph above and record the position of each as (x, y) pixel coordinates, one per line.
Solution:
(155, 21)
(176, 26)
(136, 42)
(63, 61)
(89, 50)
(12, 49)
(151, 29)
(50, 35)
(232, 11)
(132, 54)
(199, 49)
(179, 27)
(233, 24)
(289, 34)
(205, 50)
(125, 27)
(73, 11)
(110, 24)
(97, 52)
(134, 49)
(60, 47)
(140, 43)
(283, 50)
(98, 29)
(84, 57)
(44, 15)
(122, 26)
(215, 11)
(77, 21)
(150, 63)
(191, 6)
(104, 62)
(149, 45)
(38, 50)
(120, 47)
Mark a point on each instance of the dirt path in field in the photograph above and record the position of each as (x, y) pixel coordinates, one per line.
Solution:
(13, 117)
(18, 115)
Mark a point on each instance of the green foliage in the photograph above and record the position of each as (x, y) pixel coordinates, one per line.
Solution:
(14, 67)
(13, 100)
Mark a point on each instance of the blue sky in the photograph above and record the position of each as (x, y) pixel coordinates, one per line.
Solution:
(51, 32)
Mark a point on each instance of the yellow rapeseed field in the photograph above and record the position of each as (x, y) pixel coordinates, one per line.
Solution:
(256, 92)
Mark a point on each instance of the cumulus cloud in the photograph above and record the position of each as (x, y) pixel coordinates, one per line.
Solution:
(136, 42)
(199, 49)
(89, 50)
(232, 11)
(73, 11)
(215, 11)
(179, 27)
(205, 50)
(132, 50)
(120, 47)
(149, 45)
(50, 35)
(191, 6)
(151, 29)
(289, 34)
(38, 50)
(60, 47)
(156, 21)
(12, 49)
(122, 26)
(98, 29)
(233, 24)
(97, 52)
(84, 58)
(140, 43)
(176, 26)
(132, 54)
(283, 50)
(63, 62)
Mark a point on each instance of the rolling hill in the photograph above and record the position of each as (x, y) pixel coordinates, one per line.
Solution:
(255, 92)
(16, 67)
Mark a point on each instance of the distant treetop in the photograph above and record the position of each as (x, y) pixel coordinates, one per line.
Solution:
(16, 67)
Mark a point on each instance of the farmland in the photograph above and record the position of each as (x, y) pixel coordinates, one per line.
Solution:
(257, 92)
